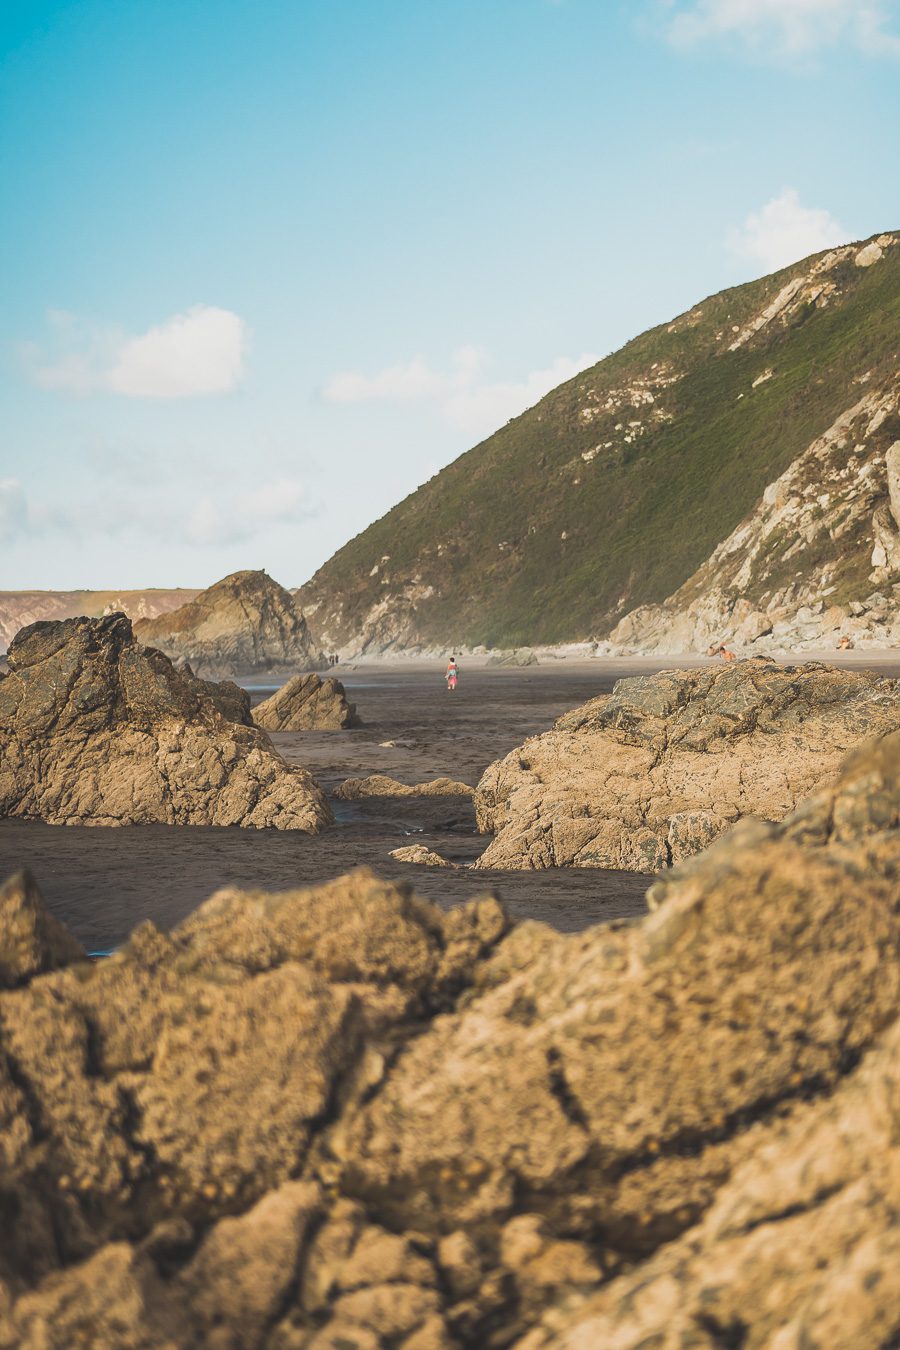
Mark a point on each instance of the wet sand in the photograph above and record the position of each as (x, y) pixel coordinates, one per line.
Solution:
(102, 882)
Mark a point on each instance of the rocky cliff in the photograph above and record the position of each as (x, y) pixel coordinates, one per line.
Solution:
(653, 772)
(434, 1132)
(743, 450)
(244, 624)
(815, 563)
(98, 730)
(18, 609)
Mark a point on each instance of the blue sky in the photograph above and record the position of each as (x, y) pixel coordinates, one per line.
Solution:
(267, 265)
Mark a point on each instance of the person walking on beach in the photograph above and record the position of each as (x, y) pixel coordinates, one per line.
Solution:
(452, 673)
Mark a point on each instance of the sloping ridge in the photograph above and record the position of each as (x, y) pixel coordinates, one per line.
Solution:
(614, 489)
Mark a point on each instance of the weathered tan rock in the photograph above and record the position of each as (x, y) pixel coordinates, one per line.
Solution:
(609, 1084)
(307, 703)
(244, 623)
(381, 785)
(801, 1248)
(655, 771)
(97, 730)
(340, 1118)
(31, 940)
(424, 857)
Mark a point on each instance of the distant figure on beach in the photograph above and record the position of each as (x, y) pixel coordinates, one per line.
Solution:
(721, 650)
(845, 644)
(452, 673)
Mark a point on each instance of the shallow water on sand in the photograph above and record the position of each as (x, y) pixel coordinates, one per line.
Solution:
(101, 882)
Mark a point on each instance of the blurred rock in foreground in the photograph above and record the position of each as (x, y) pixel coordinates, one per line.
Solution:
(342, 1118)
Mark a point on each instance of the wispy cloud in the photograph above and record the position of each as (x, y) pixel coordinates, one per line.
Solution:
(199, 353)
(783, 231)
(226, 519)
(13, 509)
(466, 397)
(784, 28)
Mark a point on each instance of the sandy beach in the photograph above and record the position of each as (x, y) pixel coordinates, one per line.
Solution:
(101, 882)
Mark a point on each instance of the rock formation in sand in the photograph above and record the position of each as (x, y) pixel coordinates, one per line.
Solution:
(431, 1131)
(655, 771)
(243, 624)
(96, 729)
(382, 785)
(520, 656)
(422, 856)
(307, 703)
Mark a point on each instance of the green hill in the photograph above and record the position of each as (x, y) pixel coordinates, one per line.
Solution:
(616, 487)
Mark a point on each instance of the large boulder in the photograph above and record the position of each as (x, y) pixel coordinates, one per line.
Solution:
(307, 703)
(342, 1118)
(244, 624)
(653, 772)
(96, 729)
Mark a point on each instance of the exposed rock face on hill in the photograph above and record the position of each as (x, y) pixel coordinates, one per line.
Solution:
(619, 485)
(307, 703)
(18, 609)
(655, 771)
(243, 624)
(801, 570)
(97, 730)
(463, 1136)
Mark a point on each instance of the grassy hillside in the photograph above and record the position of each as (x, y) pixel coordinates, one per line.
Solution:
(613, 489)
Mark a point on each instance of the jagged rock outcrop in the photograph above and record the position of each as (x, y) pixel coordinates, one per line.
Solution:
(430, 1132)
(382, 785)
(243, 624)
(96, 729)
(307, 703)
(641, 477)
(655, 771)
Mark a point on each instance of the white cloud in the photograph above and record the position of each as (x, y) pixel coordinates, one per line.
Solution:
(231, 520)
(190, 355)
(785, 230)
(13, 509)
(786, 28)
(465, 396)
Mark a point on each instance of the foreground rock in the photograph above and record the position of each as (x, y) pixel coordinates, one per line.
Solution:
(31, 940)
(382, 785)
(658, 769)
(431, 1132)
(97, 730)
(307, 703)
(244, 624)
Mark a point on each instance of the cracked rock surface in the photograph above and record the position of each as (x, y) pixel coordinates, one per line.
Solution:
(98, 730)
(307, 703)
(245, 623)
(655, 771)
(343, 1118)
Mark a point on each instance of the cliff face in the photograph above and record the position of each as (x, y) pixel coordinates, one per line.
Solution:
(243, 624)
(775, 401)
(816, 560)
(18, 609)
